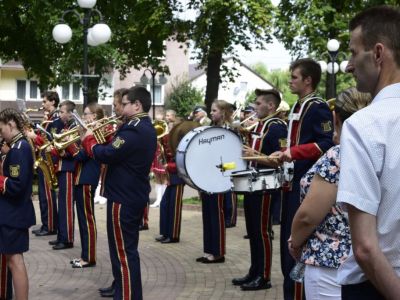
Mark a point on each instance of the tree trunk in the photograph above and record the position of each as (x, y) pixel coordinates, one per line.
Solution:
(214, 62)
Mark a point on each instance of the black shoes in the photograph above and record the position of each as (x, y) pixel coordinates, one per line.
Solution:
(246, 236)
(242, 280)
(169, 241)
(61, 246)
(44, 232)
(36, 231)
(160, 238)
(259, 283)
(107, 292)
(53, 242)
(143, 227)
(213, 261)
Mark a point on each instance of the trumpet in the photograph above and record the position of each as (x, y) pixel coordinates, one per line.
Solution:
(34, 109)
(60, 142)
(102, 128)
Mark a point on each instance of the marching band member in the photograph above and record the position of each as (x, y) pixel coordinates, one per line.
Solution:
(6, 289)
(47, 194)
(16, 208)
(269, 136)
(171, 203)
(214, 238)
(87, 174)
(65, 171)
(310, 135)
(128, 157)
(199, 115)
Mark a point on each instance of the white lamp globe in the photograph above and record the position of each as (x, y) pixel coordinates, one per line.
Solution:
(62, 33)
(333, 70)
(162, 79)
(333, 45)
(87, 3)
(343, 65)
(323, 66)
(101, 33)
(144, 80)
(90, 39)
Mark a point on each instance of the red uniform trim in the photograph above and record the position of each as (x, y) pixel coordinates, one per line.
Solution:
(2, 183)
(178, 211)
(119, 242)
(39, 140)
(298, 290)
(221, 222)
(88, 144)
(70, 207)
(305, 151)
(265, 215)
(49, 199)
(3, 276)
(171, 167)
(90, 222)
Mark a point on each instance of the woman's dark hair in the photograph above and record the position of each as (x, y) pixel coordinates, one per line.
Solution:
(52, 96)
(11, 114)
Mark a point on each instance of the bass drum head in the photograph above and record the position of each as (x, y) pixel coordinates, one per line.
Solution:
(201, 153)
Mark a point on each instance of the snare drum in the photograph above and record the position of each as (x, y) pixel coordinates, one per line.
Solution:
(250, 181)
(200, 154)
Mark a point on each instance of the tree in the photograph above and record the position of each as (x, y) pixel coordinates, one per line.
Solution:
(305, 27)
(279, 78)
(183, 97)
(26, 37)
(219, 27)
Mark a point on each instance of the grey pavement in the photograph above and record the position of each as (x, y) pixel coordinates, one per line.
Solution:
(169, 271)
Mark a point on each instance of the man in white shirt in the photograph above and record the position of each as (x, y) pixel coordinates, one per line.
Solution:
(370, 159)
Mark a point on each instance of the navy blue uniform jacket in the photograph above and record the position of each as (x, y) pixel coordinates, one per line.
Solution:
(16, 207)
(128, 158)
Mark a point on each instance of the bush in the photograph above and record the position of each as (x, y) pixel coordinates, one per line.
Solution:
(183, 97)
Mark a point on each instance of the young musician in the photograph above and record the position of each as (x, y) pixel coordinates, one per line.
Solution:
(269, 135)
(87, 174)
(16, 209)
(128, 157)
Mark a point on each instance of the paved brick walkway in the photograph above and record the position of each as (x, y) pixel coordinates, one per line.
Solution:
(169, 271)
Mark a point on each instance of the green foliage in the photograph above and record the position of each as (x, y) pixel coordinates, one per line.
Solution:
(183, 97)
(26, 36)
(278, 78)
(220, 26)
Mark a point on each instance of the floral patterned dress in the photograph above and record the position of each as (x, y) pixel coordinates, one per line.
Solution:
(330, 243)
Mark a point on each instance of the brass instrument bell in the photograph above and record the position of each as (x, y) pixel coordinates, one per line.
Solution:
(161, 128)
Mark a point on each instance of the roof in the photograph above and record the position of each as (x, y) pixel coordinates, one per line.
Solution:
(11, 65)
(195, 72)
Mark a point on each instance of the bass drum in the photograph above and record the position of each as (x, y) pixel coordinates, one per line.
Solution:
(201, 154)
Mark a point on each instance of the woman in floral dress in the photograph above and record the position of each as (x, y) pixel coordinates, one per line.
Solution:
(320, 230)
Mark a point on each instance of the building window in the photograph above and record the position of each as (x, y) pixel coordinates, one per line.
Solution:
(65, 91)
(76, 89)
(157, 91)
(33, 90)
(21, 89)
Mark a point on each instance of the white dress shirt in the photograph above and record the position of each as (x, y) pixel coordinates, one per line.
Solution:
(370, 174)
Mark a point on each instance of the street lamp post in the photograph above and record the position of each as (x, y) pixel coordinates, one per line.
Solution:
(100, 33)
(161, 80)
(332, 66)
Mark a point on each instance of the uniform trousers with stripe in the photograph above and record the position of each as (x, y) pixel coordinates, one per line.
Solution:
(258, 223)
(230, 208)
(84, 197)
(145, 219)
(6, 289)
(47, 204)
(214, 237)
(290, 204)
(65, 207)
(123, 237)
(171, 211)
